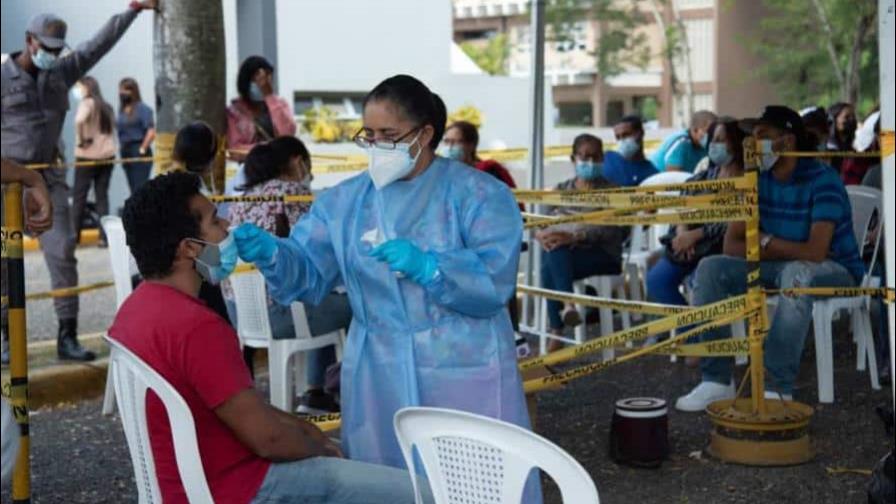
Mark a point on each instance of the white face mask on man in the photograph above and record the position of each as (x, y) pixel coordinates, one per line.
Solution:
(388, 165)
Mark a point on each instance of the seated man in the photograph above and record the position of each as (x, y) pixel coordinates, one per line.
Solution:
(683, 150)
(627, 166)
(806, 241)
(250, 451)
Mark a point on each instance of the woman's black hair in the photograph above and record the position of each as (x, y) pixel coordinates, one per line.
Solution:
(833, 112)
(733, 135)
(468, 131)
(261, 165)
(584, 138)
(287, 147)
(195, 146)
(415, 100)
(247, 70)
(157, 217)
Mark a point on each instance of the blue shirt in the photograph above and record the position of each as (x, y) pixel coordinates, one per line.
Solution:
(132, 128)
(625, 172)
(814, 194)
(678, 150)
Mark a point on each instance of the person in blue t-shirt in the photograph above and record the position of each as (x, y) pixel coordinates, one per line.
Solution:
(627, 166)
(806, 240)
(683, 150)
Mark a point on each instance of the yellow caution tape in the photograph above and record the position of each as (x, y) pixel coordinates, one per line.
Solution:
(164, 148)
(69, 291)
(538, 384)
(598, 302)
(88, 163)
(616, 200)
(325, 423)
(729, 347)
(613, 217)
(732, 306)
(720, 185)
(829, 154)
(887, 293)
(886, 143)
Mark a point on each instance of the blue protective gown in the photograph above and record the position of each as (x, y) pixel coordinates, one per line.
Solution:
(449, 344)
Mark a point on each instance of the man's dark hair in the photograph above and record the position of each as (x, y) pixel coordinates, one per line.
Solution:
(195, 146)
(634, 120)
(415, 100)
(157, 218)
(247, 70)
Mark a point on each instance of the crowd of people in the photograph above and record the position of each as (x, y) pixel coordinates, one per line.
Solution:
(416, 258)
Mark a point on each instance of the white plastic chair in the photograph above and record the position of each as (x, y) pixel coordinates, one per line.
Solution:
(120, 259)
(254, 329)
(132, 378)
(472, 458)
(865, 201)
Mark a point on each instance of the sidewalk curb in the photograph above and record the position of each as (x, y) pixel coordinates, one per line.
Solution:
(65, 383)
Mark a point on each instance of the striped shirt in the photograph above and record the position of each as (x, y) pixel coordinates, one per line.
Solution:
(814, 193)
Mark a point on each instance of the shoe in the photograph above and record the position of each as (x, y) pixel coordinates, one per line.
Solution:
(67, 346)
(775, 396)
(571, 317)
(704, 394)
(317, 402)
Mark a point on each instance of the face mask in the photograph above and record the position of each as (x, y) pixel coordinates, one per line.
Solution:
(455, 152)
(125, 98)
(43, 59)
(388, 165)
(255, 93)
(76, 93)
(217, 260)
(769, 158)
(589, 170)
(628, 147)
(704, 141)
(718, 153)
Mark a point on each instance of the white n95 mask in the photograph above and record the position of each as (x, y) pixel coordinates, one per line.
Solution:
(388, 165)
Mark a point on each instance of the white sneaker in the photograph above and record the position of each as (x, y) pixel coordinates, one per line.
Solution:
(703, 394)
(774, 396)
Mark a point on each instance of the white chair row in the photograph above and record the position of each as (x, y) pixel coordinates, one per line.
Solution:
(254, 329)
(486, 459)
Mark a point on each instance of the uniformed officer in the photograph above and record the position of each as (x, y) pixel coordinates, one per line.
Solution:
(35, 84)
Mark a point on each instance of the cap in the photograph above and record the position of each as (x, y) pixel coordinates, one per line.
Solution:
(49, 29)
(778, 116)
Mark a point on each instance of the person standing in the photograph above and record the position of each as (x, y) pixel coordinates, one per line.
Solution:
(35, 84)
(94, 141)
(136, 131)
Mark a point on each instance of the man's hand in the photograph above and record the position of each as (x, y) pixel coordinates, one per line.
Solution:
(149, 4)
(554, 239)
(683, 244)
(38, 209)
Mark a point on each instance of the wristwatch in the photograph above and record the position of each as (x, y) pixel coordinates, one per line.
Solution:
(765, 240)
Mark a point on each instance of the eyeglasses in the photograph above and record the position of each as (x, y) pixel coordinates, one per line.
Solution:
(365, 142)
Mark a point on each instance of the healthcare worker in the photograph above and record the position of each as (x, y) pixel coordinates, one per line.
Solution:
(427, 249)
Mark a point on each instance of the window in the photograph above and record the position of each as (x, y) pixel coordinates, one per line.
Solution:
(574, 114)
(615, 111)
(345, 105)
(701, 43)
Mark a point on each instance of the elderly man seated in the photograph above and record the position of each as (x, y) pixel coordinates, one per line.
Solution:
(806, 241)
(250, 451)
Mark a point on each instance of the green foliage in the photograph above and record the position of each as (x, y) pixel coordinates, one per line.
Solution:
(619, 46)
(325, 127)
(467, 113)
(793, 46)
(492, 57)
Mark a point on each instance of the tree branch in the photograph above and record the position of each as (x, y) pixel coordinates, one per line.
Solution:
(832, 51)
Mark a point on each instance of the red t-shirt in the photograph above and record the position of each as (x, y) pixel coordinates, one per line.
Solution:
(198, 353)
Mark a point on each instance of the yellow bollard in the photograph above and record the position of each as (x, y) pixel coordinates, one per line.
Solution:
(13, 227)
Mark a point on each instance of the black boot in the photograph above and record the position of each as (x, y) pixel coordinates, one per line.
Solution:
(67, 346)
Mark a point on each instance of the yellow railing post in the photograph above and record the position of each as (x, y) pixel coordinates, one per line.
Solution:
(755, 297)
(13, 227)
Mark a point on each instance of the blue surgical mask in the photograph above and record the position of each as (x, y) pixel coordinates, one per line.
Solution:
(455, 151)
(255, 93)
(44, 60)
(718, 154)
(76, 93)
(217, 260)
(628, 147)
(768, 157)
(589, 170)
(704, 141)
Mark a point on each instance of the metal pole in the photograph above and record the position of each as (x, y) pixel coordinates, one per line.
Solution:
(18, 345)
(886, 41)
(536, 152)
(758, 323)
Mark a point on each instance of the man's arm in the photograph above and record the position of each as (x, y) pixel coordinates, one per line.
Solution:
(87, 54)
(815, 249)
(272, 434)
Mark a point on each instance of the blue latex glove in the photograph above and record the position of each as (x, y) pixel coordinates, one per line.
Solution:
(405, 257)
(255, 245)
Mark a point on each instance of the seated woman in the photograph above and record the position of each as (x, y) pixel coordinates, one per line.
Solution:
(279, 167)
(576, 251)
(686, 244)
(461, 141)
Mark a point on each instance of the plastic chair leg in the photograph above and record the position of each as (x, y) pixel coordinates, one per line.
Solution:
(865, 319)
(109, 394)
(581, 330)
(605, 289)
(738, 330)
(824, 357)
(280, 378)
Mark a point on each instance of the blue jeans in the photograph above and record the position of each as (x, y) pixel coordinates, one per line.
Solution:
(562, 266)
(720, 277)
(137, 173)
(325, 480)
(333, 313)
(663, 282)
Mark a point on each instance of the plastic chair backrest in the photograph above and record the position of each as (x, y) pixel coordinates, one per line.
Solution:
(651, 241)
(250, 297)
(132, 378)
(119, 256)
(472, 458)
(865, 201)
